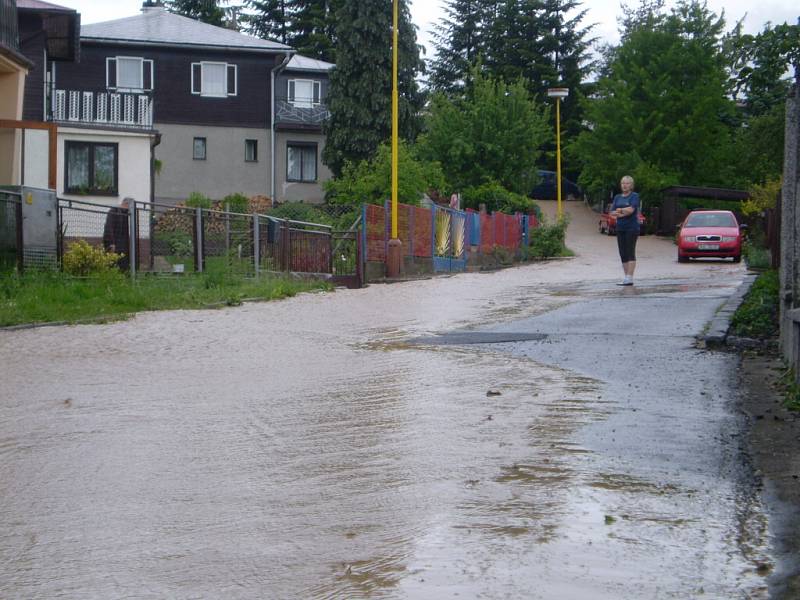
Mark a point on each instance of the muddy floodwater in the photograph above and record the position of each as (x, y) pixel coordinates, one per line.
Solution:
(328, 446)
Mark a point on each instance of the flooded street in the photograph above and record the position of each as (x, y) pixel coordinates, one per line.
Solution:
(570, 442)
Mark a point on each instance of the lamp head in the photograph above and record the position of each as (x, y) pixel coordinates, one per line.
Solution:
(557, 92)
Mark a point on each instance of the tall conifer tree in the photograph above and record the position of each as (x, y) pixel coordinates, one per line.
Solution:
(457, 43)
(207, 11)
(270, 19)
(360, 92)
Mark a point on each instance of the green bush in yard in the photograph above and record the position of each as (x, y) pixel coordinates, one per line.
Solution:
(758, 315)
(83, 259)
(497, 198)
(547, 240)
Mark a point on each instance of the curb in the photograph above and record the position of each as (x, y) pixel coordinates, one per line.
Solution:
(717, 333)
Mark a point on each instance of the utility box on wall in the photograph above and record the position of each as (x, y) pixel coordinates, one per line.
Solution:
(39, 226)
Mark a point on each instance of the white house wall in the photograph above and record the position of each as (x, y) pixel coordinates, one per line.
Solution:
(133, 159)
(223, 172)
(133, 179)
(36, 158)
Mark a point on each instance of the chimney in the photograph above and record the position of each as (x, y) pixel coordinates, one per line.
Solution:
(151, 5)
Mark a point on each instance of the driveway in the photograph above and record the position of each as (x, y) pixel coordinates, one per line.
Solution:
(535, 432)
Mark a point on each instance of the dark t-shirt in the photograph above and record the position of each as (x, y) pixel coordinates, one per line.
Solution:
(631, 222)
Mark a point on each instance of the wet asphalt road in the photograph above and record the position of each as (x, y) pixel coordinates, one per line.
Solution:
(664, 502)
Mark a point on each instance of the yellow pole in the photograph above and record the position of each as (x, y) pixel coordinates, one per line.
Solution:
(395, 118)
(558, 156)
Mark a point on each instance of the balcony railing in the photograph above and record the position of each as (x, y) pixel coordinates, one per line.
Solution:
(115, 109)
(300, 112)
(9, 37)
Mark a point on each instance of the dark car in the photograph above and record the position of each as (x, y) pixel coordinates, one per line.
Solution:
(546, 188)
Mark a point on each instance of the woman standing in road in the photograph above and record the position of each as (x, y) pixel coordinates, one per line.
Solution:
(626, 209)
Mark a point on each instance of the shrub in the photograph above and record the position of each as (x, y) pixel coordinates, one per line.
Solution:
(547, 240)
(237, 203)
(757, 257)
(758, 314)
(198, 200)
(497, 198)
(762, 197)
(371, 181)
(83, 259)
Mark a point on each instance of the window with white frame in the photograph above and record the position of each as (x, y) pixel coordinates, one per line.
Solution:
(304, 93)
(214, 79)
(129, 73)
(301, 161)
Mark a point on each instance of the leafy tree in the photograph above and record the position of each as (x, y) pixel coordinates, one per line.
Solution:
(370, 181)
(359, 97)
(662, 109)
(493, 134)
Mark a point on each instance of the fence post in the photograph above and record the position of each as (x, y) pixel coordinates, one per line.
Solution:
(20, 237)
(286, 245)
(198, 229)
(256, 246)
(132, 231)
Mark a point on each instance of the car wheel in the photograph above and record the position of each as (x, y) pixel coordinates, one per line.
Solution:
(737, 258)
(682, 258)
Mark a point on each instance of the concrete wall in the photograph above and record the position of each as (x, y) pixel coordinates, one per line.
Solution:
(790, 224)
(224, 171)
(286, 191)
(133, 159)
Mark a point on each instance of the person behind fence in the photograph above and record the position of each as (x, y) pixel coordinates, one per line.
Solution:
(116, 234)
(626, 208)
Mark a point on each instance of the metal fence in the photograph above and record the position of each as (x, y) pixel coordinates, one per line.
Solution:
(170, 239)
(10, 232)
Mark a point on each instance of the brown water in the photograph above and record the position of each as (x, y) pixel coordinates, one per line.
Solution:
(296, 449)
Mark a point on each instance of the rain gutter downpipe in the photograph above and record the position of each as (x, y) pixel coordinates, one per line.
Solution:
(273, 159)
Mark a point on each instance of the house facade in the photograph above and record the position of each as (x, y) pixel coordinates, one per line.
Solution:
(14, 68)
(105, 138)
(233, 113)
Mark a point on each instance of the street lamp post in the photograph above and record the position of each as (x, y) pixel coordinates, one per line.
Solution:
(558, 94)
(394, 252)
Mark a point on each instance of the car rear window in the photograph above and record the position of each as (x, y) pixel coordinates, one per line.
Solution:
(710, 220)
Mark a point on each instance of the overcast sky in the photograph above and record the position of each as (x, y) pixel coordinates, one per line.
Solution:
(426, 12)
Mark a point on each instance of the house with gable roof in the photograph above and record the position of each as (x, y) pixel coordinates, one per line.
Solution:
(231, 113)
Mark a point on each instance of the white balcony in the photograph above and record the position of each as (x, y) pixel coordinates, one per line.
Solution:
(114, 109)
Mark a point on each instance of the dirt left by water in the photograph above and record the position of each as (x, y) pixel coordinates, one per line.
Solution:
(774, 443)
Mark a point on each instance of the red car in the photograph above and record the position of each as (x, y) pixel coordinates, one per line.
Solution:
(714, 233)
(608, 222)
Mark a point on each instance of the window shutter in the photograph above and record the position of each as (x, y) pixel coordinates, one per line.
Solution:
(291, 90)
(111, 73)
(147, 75)
(232, 83)
(316, 92)
(197, 77)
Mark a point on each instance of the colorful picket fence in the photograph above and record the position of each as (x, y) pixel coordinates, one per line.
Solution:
(445, 235)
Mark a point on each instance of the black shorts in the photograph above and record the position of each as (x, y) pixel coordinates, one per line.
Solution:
(626, 241)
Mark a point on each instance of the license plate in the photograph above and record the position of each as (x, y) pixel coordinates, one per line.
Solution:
(708, 246)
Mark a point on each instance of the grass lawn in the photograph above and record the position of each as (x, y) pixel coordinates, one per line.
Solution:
(54, 297)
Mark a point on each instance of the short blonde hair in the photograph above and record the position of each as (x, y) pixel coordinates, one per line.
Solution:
(628, 178)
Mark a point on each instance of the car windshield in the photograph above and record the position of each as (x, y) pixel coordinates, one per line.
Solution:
(710, 220)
